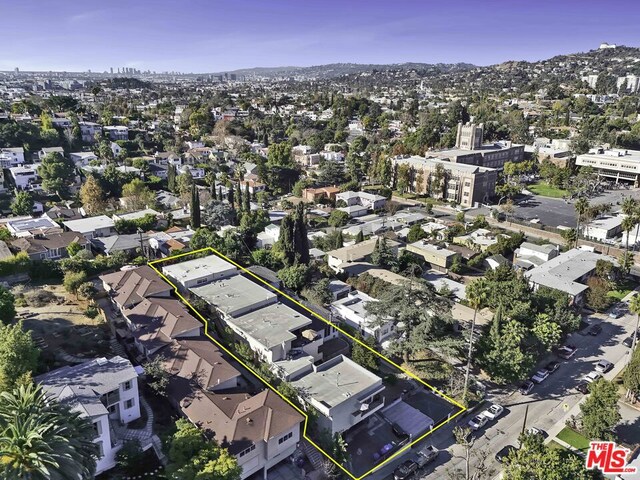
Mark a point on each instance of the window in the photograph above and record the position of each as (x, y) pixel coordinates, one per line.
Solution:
(285, 438)
(127, 385)
(97, 426)
(129, 404)
(101, 448)
(246, 451)
(201, 281)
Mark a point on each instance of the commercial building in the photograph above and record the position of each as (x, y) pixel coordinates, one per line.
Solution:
(603, 229)
(465, 184)
(616, 164)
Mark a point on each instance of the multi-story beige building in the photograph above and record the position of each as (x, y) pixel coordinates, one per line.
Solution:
(470, 150)
(465, 184)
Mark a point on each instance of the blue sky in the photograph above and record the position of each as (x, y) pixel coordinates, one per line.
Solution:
(219, 35)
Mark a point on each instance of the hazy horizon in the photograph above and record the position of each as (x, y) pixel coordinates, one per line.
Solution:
(201, 36)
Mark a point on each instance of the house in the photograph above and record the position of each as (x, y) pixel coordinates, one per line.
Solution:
(155, 322)
(43, 152)
(130, 286)
(199, 271)
(352, 310)
(479, 239)
(315, 195)
(63, 213)
(29, 226)
(359, 252)
(339, 289)
(530, 255)
(495, 261)
(603, 228)
(568, 272)
(268, 237)
(89, 130)
(92, 227)
(26, 177)
(437, 257)
(11, 157)
(105, 391)
(82, 159)
(253, 186)
(137, 215)
(117, 132)
(343, 393)
(130, 244)
(48, 246)
(358, 203)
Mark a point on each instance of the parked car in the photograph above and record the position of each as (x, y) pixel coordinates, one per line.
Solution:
(526, 387)
(615, 314)
(592, 377)
(567, 351)
(583, 387)
(493, 412)
(552, 366)
(540, 376)
(603, 366)
(426, 455)
(536, 431)
(478, 422)
(405, 470)
(595, 330)
(504, 453)
(628, 342)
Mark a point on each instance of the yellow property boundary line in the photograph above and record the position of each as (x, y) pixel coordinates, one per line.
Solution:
(391, 362)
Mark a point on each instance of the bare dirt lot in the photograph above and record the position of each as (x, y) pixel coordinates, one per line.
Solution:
(60, 323)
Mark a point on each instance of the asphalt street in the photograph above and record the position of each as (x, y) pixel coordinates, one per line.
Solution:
(548, 403)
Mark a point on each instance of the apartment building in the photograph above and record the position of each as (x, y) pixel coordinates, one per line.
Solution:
(89, 130)
(465, 184)
(11, 157)
(116, 132)
(103, 390)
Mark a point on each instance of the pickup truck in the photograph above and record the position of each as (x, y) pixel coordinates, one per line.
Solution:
(426, 455)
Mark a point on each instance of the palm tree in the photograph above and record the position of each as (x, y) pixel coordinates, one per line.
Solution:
(476, 293)
(43, 439)
(628, 223)
(634, 306)
(582, 207)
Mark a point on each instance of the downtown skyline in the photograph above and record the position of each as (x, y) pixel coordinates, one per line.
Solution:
(203, 37)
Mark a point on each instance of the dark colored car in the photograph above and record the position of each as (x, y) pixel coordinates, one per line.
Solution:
(567, 351)
(526, 387)
(583, 387)
(504, 453)
(552, 366)
(628, 342)
(405, 470)
(595, 330)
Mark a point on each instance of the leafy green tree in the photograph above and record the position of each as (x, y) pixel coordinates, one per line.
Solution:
(536, 461)
(509, 360)
(7, 306)
(546, 331)
(218, 214)
(597, 295)
(338, 218)
(319, 292)
(130, 458)
(191, 457)
(87, 290)
(280, 155)
(73, 280)
(43, 439)
(92, 196)
(73, 248)
(416, 233)
(295, 277)
(18, 355)
(600, 411)
(57, 173)
(362, 355)
(205, 237)
(22, 204)
(158, 375)
(137, 195)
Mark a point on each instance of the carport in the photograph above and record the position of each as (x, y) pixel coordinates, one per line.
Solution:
(406, 420)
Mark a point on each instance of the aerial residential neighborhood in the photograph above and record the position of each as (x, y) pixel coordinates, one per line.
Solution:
(320, 241)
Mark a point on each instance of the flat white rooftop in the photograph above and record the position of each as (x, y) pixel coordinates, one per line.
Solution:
(198, 268)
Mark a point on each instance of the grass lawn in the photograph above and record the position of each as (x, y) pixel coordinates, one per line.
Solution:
(624, 290)
(574, 439)
(545, 190)
(555, 445)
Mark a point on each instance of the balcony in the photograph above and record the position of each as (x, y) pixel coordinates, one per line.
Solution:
(110, 398)
(368, 408)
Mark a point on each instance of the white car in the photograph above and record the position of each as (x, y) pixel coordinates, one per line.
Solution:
(592, 377)
(540, 376)
(478, 422)
(534, 431)
(493, 412)
(603, 366)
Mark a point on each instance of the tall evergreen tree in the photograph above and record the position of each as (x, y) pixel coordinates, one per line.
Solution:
(247, 199)
(239, 196)
(195, 207)
(286, 240)
(360, 237)
(220, 197)
(230, 195)
(171, 177)
(382, 254)
(300, 240)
